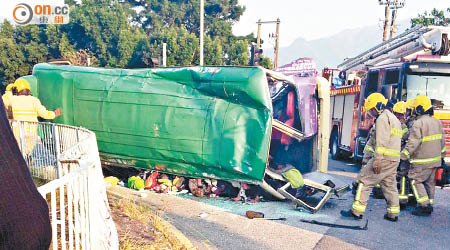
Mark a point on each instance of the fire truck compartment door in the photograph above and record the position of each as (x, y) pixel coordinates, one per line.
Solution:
(347, 120)
(338, 107)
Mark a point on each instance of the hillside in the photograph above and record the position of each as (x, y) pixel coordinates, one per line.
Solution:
(331, 51)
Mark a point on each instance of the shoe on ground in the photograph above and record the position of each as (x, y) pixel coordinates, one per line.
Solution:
(403, 206)
(422, 211)
(386, 217)
(349, 214)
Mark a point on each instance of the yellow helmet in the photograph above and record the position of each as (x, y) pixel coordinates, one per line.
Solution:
(21, 84)
(10, 86)
(400, 107)
(409, 104)
(422, 101)
(373, 101)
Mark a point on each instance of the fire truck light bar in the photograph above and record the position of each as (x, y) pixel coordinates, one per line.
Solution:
(433, 58)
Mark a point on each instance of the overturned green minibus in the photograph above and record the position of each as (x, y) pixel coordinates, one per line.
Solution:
(218, 122)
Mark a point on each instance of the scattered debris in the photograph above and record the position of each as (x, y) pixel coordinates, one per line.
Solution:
(259, 216)
(203, 215)
(111, 180)
(365, 227)
(135, 182)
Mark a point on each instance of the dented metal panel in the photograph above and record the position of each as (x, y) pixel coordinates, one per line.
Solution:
(193, 121)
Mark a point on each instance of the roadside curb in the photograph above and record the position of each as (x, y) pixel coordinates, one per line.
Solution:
(178, 240)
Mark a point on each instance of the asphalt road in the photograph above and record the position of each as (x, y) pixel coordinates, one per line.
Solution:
(223, 222)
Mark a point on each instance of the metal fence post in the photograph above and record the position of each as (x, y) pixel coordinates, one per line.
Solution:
(57, 149)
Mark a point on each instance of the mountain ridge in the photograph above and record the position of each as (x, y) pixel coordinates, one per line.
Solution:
(331, 51)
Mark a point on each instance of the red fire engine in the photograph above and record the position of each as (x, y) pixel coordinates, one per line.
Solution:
(416, 62)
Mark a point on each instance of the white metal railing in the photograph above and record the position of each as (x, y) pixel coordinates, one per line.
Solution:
(68, 156)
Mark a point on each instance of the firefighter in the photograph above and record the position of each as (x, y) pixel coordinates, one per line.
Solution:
(368, 153)
(424, 149)
(382, 168)
(409, 115)
(10, 89)
(27, 108)
(399, 111)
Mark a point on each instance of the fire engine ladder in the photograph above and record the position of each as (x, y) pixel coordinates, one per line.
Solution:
(426, 38)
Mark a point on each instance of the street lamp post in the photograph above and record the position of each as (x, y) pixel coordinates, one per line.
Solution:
(201, 31)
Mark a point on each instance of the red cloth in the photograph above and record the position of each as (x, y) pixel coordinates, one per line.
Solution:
(290, 109)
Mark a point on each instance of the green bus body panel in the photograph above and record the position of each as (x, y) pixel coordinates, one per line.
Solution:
(208, 122)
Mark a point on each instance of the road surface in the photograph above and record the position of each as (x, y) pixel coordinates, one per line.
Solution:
(217, 223)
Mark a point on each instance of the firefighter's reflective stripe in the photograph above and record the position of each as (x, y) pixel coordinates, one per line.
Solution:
(431, 201)
(406, 153)
(416, 193)
(393, 210)
(368, 149)
(24, 112)
(404, 131)
(387, 151)
(403, 195)
(425, 161)
(356, 205)
(443, 149)
(359, 207)
(423, 199)
(432, 137)
(396, 131)
(358, 192)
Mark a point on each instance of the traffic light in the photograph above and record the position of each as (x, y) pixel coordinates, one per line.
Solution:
(255, 55)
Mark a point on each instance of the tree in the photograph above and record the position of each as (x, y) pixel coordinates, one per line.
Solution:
(265, 62)
(435, 17)
(142, 55)
(53, 37)
(30, 39)
(213, 51)
(238, 53)
(182, 46)
(11, 57)
(219, 15)
(102, 27)
(157, 15)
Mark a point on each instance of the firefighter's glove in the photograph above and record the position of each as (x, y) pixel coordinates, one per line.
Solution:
(377, 165)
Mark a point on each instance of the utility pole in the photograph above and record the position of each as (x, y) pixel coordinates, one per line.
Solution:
(394, 16)
(258, 36)
(397, 5)
(201, 31)
(277, 40)
(394, 5)
(386, 22)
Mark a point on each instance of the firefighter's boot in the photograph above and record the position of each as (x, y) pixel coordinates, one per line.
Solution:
(350, 214)
(389, 218)
(423, 211)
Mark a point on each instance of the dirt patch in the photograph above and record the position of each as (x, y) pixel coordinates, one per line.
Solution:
(134, 227)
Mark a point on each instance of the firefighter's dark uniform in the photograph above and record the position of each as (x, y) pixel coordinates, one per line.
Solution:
(403, 170)
(425, 148)
(387, 138)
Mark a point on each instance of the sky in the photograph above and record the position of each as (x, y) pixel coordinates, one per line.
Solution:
(315, 19)
(310, 20)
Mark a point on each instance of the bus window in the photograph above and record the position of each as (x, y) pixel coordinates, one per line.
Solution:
(371, 84)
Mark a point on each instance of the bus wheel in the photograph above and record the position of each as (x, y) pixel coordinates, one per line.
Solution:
(335, 151)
